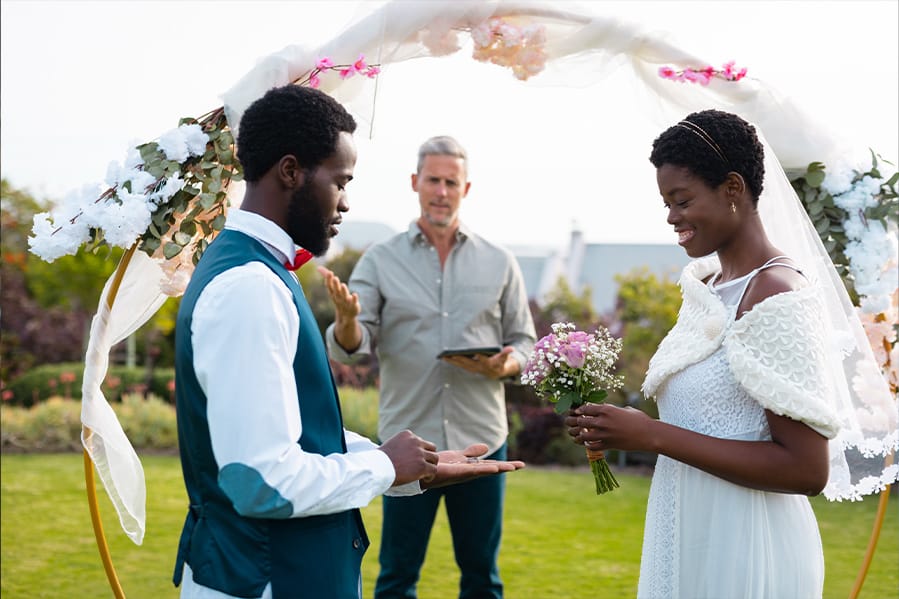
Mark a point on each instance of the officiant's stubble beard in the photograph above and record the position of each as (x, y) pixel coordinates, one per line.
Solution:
(306, 224)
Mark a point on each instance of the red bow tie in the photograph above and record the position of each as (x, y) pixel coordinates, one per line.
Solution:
(302, 257)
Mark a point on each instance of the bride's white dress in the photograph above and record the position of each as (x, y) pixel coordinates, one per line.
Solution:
(706, 537)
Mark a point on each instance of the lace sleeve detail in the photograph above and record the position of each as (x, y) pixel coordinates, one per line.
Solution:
(776, 352)
(698, 332)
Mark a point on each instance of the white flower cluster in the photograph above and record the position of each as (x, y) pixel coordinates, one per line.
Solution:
(872, 249)
(124, 211)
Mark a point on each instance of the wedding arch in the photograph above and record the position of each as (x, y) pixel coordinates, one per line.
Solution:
(169, 197)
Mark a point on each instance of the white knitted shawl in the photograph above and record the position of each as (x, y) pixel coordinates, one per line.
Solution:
(775, 351)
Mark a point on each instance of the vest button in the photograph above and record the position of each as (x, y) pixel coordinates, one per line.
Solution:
(357, 543)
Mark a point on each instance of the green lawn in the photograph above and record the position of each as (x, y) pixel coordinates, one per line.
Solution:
(561, 541)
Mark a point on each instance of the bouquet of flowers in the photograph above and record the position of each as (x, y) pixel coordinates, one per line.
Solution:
(570, 368)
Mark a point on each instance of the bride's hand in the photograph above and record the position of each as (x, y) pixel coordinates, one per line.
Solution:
(604, 426)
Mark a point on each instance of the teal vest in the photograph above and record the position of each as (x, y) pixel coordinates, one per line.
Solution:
(317, 557)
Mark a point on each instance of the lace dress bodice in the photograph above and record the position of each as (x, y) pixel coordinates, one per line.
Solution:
(706, 398)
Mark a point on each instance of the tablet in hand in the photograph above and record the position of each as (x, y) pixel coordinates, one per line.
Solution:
(470, 352)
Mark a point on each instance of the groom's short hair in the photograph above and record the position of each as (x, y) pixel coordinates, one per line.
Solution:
(290, 120)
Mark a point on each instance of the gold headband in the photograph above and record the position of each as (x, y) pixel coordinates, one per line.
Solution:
(698, 131)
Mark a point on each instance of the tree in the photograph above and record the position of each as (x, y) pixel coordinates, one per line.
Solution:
(562, 304)
(645, 310)
(32, 332)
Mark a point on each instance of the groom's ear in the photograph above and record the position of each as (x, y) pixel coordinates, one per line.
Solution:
(290, 174)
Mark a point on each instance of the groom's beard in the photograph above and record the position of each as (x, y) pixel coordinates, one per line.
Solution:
(306, 225)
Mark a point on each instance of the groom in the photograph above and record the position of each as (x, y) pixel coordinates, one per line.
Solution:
(275, 482)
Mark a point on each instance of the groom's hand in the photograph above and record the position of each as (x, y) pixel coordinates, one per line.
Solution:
(413, 458)
(458, 466)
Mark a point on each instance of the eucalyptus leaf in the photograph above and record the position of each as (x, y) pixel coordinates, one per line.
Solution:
(218, 223)
(181, 238)
(815, 178)
(171, 250)
(226, 156)
(148, 151)
(207, 200)
(151, 244)
(189, 227)
(563, 404)
(597, 396)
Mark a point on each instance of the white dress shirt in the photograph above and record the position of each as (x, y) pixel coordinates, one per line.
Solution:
(244, 335)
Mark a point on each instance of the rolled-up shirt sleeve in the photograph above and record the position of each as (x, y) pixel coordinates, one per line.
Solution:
(245, 367)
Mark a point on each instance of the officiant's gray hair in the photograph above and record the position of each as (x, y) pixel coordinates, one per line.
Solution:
(441, 145)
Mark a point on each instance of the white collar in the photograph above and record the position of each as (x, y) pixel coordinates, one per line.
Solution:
(273, 237)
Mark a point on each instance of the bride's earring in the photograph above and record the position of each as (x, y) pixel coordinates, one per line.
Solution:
(733, 207)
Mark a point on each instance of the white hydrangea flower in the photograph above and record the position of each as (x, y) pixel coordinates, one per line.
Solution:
(172, 185)
(874, 304)
(195, 139)
(62, 231)
(174, 145)
(838, 180)
(122, 221)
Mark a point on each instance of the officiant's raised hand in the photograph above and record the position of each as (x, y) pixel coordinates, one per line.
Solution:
(346, 310)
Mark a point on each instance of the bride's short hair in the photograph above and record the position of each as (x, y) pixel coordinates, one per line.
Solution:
(713, 143)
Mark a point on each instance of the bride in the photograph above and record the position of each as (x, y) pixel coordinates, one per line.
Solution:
(746, 401)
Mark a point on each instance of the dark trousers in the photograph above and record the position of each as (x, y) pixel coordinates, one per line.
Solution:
(475, 513)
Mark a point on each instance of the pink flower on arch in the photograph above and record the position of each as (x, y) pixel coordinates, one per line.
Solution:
(347, 73)
(324, 63)
(703, 75)
(314, 81)
(359, 66)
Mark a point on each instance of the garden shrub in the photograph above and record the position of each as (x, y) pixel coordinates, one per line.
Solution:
(49, 380)
(149, 423)
(51, 426)
(360, 410)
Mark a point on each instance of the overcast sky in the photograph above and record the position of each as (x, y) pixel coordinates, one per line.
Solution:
(82, 80)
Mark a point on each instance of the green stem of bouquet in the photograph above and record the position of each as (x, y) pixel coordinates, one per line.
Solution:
(602, 476)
